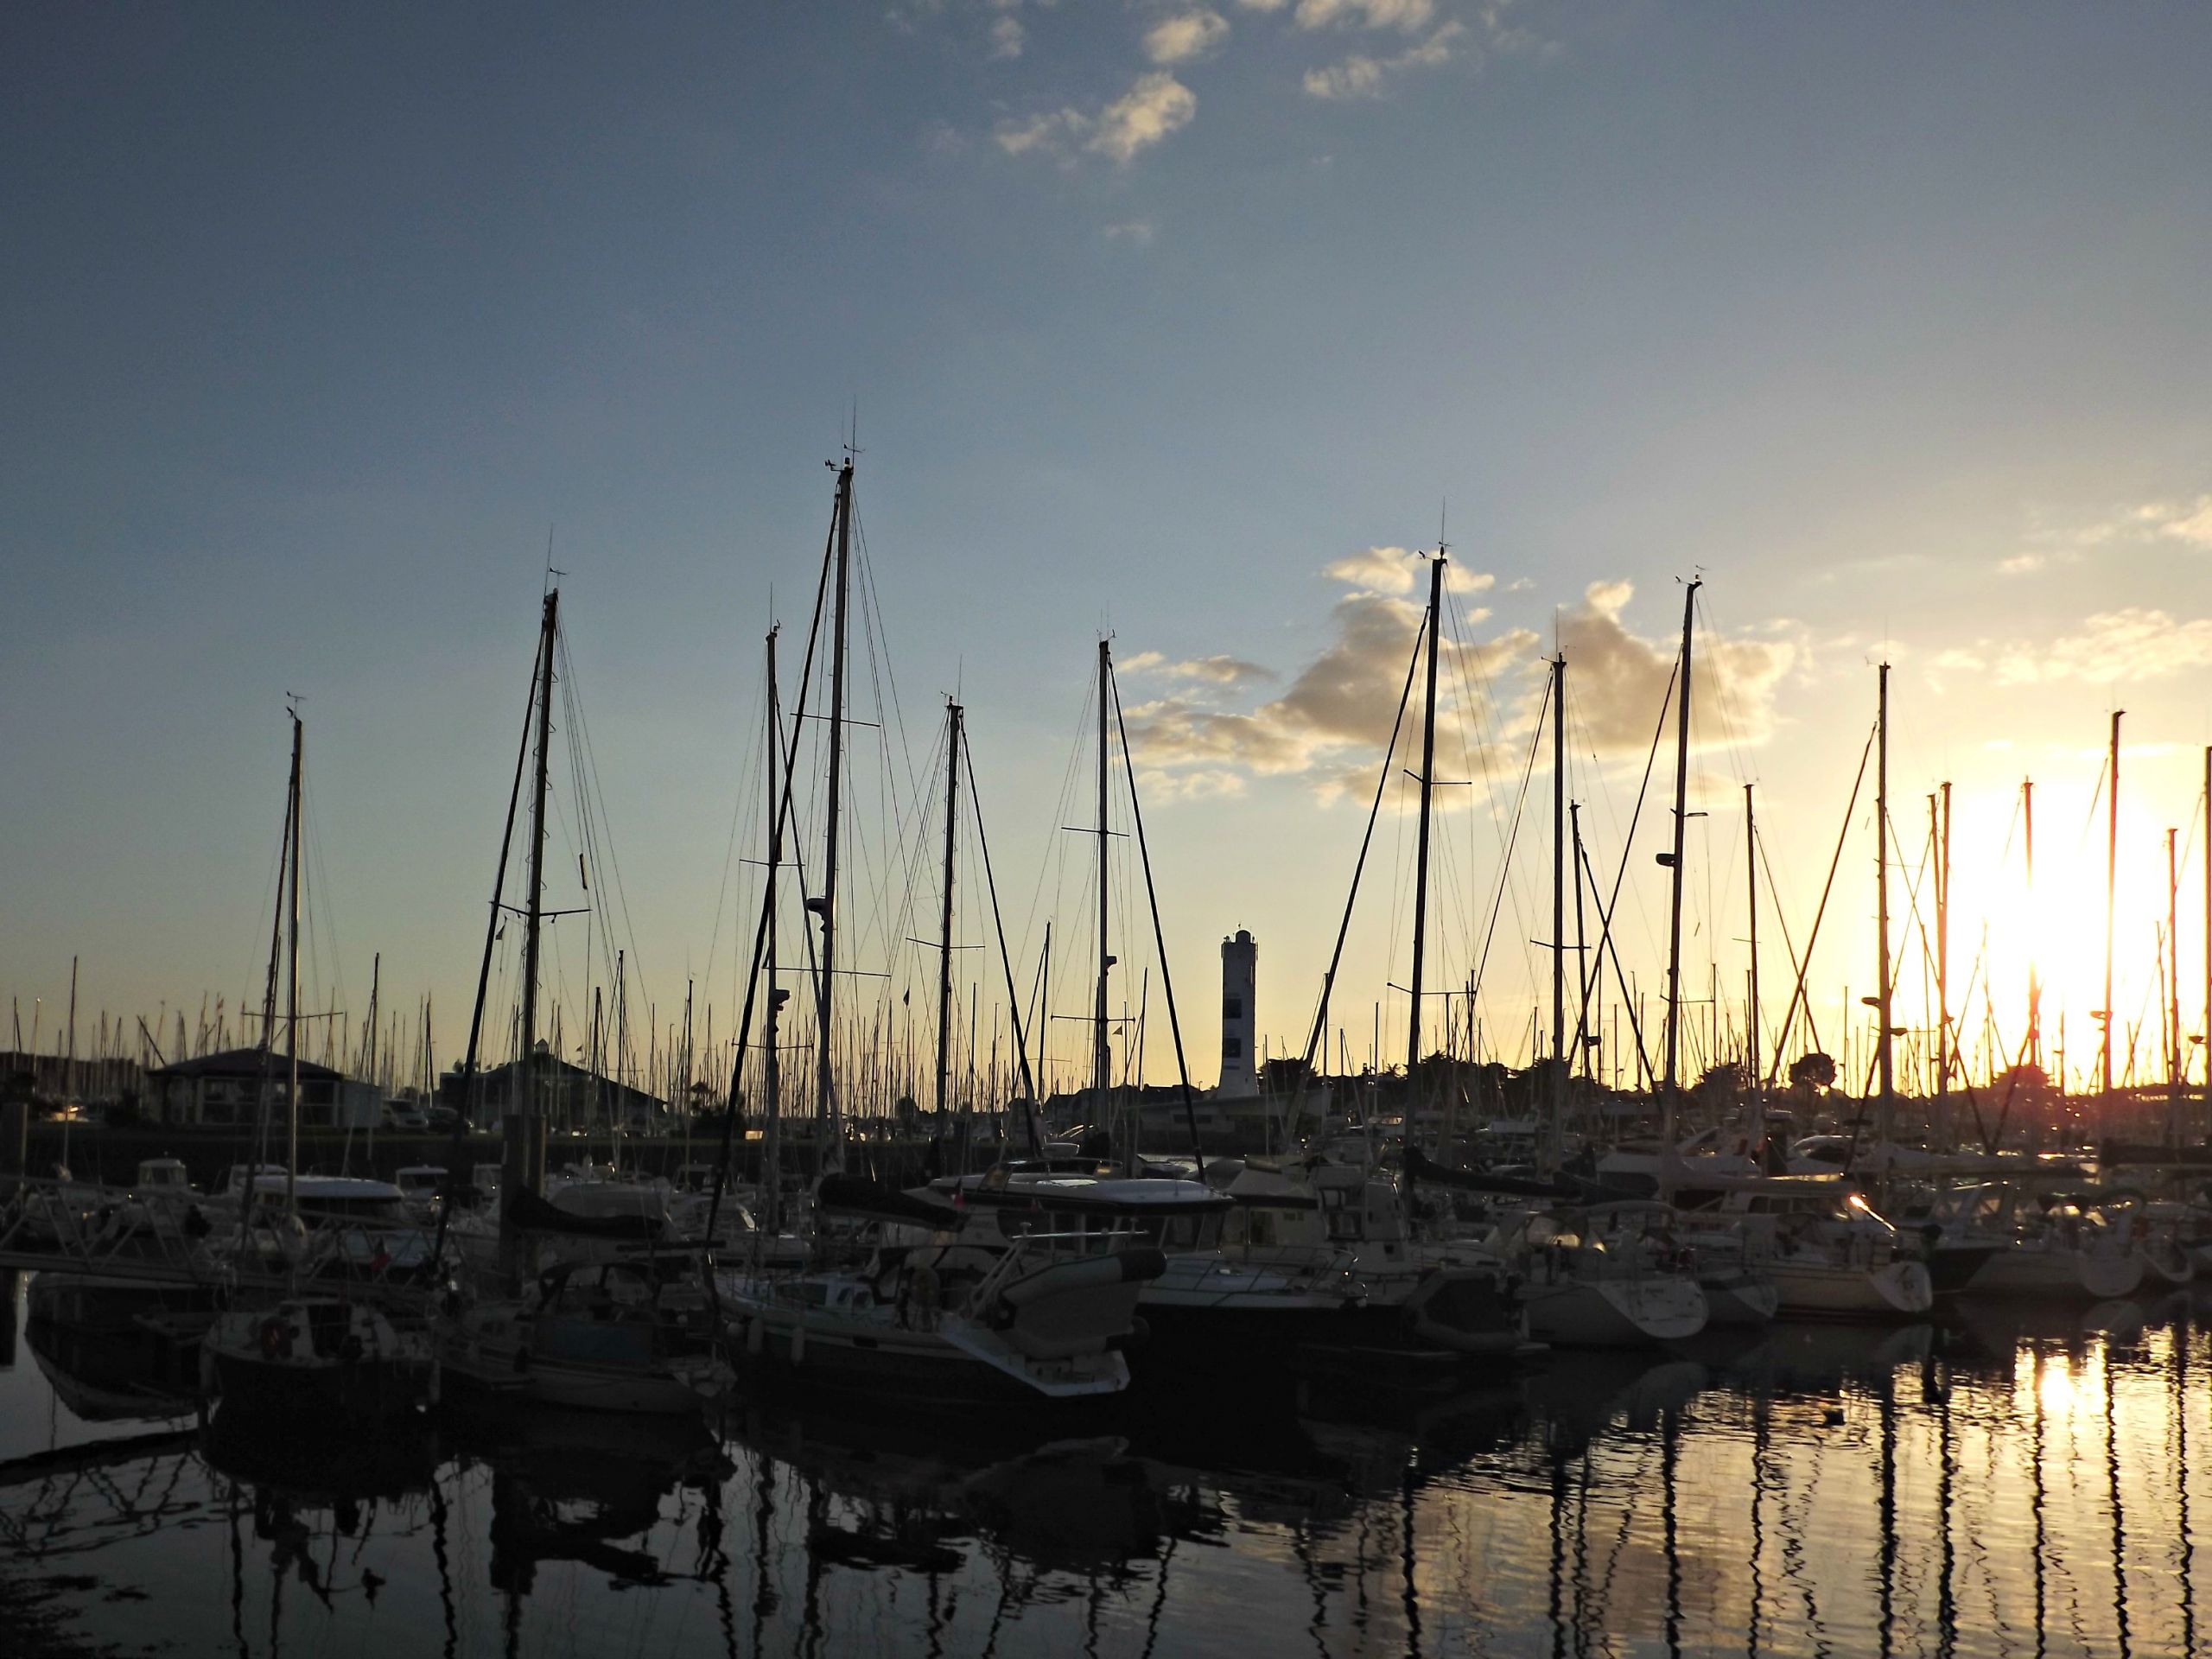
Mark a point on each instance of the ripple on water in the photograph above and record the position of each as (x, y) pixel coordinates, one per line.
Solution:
(1998, 1486)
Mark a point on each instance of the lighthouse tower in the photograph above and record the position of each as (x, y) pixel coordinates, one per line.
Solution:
(1240, 965)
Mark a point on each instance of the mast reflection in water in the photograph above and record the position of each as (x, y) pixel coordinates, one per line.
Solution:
(1991, 1488)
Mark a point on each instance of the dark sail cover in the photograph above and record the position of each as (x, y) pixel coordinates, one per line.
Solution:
(857, 1195)
(1419, 1166)
(526, 1209)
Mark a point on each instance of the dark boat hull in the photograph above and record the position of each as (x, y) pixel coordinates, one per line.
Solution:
(360, 1390)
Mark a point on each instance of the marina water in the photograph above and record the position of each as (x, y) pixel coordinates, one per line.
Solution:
(2000, 1483)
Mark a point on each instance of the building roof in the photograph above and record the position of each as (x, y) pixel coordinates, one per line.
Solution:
(243, 1063)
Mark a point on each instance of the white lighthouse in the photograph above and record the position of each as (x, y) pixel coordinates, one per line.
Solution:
(1240, 966)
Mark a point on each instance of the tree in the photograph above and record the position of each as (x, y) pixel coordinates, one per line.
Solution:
(1811, 1071)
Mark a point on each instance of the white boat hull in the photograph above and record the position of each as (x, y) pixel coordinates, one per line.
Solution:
(1735, 1297)
(2054, 1270)
(1821, 1290)
(1626, 1312)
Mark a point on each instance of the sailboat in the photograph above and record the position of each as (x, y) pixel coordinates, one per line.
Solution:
(1047, 1318)
(1604, 1275)
(320, 1354)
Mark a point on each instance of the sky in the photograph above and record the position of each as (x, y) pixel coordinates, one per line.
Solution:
(1188, 325)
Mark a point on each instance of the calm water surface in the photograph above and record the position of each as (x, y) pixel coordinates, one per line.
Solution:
(1998, 1485)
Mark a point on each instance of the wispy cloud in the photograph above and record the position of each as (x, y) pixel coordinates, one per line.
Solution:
(1395, 570)
(1008, 37)
(1186, 38)
(1155, 105)
(1138, 233)
(1225, 671)
(1050, 133)
(2174, 519)
(1199, 784)
(2190, 522)
(2133, 643)
(1407, 15)
(1361, 76)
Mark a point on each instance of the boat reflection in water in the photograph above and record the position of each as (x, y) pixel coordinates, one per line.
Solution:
(2005, 1483)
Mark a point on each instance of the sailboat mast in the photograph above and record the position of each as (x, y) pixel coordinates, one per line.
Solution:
(291, 993)
(772, 1184)
(2035, 973)
(1673, 861)
(1101, 1059)
(1558, 856)
(532, 1169)
(1939, 828)
(1421, 863)
(2112, 874)
(2173, 996)
(1045, 1013)
(1585, 1039)
(825, 1105)
(1751, 887)
(944, 927)
(1883, 990)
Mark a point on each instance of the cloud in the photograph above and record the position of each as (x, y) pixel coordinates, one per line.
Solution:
(1196, 785)
(1138, 233)
(1226, 672)
(1394, 570)
(1377, 569)
(1152, 109)
(2020, 565)
(1361, 76)
(1155, 105)
(2135, 644)
(1339, 704)
(1263, 5)
(1008, 37)
(1616, 681)
(1334, 720)
(1407, 15)
(2191, 522)
(1050, 133)
(1186, 39)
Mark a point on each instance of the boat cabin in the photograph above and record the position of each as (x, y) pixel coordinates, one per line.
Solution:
(164, 1178)
(420, 1183)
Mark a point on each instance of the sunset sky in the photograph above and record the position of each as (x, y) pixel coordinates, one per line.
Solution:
(1183, 324)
